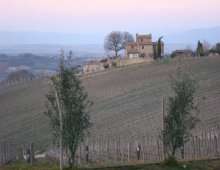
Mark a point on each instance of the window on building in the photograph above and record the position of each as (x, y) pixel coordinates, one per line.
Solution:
(132, 47)
(142, 47)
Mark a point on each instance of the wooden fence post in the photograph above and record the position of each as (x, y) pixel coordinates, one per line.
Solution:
(158, 148)
(128, 145)
(163, 116)
(107, 154)
(32, 153)
(215, 145)
(80, 148)
(122, 152)
(87, 154)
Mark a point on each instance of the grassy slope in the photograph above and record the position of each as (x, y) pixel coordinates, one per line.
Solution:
(52, 165)
(22, 113)
(127, 101)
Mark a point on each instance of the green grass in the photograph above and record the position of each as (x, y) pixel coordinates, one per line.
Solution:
(49, 164)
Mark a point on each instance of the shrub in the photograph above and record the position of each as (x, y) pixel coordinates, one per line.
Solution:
(171, 161)
(142, 55)
(106, 65)
(114, 64)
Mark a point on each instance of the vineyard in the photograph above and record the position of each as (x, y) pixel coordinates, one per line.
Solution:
(127, 103)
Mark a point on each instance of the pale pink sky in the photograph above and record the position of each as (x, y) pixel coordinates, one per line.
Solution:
(102, 16)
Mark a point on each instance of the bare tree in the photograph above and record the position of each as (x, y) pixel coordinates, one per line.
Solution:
(116, 41)
(126, 37)
(206, 46)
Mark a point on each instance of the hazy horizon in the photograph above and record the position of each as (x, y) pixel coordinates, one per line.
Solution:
(88, 22)
(99, 17)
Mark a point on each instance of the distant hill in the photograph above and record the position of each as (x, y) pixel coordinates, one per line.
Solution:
(29, 61)
(212, 35)
(34, 37)
(35, 63)
(52, 42)
(127, 101)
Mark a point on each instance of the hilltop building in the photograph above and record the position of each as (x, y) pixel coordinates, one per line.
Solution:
(141, 51)
(182, 53)
(143, 47)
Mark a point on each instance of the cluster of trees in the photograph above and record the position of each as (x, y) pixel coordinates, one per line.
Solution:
(203, 48)
(18, 75)
(215, 49)
(116, 41)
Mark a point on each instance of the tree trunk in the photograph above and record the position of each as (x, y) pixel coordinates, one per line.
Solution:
(61, 129)
(116, 53)
(72, 161)
(174, 152)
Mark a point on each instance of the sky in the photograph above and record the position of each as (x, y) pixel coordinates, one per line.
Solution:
(102, 16)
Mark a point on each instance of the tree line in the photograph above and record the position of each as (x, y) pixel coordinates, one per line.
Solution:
(203, 48)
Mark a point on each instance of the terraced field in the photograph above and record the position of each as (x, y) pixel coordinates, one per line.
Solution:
(127, 101)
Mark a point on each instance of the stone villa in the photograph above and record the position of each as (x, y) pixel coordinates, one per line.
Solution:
(143, 47)
(141, 51)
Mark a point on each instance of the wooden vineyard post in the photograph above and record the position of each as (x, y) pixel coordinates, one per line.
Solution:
(202, 143)
(100, 149)
(182, 152)
(147, 149)
(117, 150)
(205, 144)
(93, 150)
(163, 115)
(31, 153)
(122, 153)
(6, 152)
(215, 145)
(87, 154)
(0, 153)
(158, 148)
(143, 149)
(107, 154)
(115, 143)
(80, 148)
(28, 156)
(210, 142)
(128, 152)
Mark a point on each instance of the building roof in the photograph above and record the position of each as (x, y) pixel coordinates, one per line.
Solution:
(143, 36)
(183, 51)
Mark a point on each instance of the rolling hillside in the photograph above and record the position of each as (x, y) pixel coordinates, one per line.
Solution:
(127, 101)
